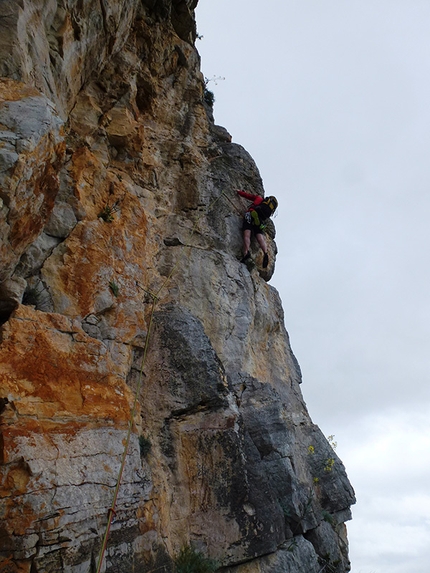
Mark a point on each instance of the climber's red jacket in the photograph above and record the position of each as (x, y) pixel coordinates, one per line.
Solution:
(257, 199)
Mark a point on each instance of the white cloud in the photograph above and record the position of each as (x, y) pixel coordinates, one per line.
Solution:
(389, 465)
(381, 546)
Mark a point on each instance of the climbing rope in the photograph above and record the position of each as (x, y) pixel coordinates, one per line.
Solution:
(111, 511)
(235, 207)
(155, 299)
(239, 212)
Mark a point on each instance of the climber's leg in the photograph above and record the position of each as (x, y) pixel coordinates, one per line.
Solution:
(262, 242)
(246, 242)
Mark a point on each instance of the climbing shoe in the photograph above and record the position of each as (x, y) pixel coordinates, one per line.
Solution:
(265, 260)
(245, 257)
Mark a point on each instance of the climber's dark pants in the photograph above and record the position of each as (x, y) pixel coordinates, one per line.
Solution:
(250, 227)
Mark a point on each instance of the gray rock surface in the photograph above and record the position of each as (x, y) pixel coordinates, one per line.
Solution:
(130, 330)
(31, 150)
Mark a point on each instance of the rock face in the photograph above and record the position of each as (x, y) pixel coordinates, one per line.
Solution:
(146, 376)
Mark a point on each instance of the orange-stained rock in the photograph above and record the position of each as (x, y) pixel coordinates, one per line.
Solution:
(145, 373)
(11, 90)
(50, 369)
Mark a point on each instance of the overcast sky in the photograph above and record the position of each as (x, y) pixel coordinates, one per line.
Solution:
(332, 100)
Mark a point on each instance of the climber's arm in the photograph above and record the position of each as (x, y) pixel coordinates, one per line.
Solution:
(246, 195)
(255, 198)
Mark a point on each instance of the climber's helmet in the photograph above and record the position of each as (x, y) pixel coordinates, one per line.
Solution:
(272, 202)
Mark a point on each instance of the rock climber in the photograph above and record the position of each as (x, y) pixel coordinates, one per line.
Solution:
(254, 222)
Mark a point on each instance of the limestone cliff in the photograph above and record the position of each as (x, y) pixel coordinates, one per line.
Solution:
(128, 324)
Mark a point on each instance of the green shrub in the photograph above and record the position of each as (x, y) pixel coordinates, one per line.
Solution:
(191, 561)
(145, 446)
(114, 288)
(108, 211)
(209, 97)
(328, 517)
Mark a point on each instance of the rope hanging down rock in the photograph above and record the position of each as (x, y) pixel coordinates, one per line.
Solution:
(155, 299)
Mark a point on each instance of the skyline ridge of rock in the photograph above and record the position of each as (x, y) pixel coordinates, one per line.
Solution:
(120, 243)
